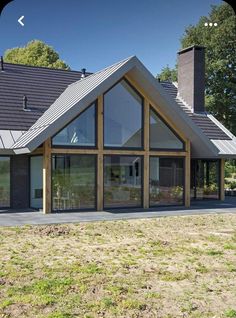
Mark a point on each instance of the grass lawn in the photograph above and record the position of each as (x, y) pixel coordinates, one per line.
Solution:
(165, 267)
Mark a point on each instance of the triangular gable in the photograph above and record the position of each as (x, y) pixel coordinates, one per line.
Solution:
(81, 94)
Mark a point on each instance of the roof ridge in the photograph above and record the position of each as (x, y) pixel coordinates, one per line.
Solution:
(44, 68)
(104, 69)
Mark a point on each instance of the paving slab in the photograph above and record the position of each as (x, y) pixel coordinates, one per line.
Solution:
(24, 217)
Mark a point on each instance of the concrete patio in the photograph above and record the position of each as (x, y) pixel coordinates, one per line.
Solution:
(18, 218)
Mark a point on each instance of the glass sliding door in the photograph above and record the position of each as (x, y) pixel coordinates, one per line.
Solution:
(36, 182)
(74, 182)
(5, 182)
(122, 181)
(205, 179)
(166, 181)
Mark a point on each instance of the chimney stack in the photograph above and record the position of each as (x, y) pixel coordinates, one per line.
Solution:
(1, 64)
(191, 77)
(83, 72)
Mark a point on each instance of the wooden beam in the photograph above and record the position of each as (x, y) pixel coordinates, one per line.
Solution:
(38, 151)
(187, 193)
(146, 156)
(222, 179)
(47, 204)
(67, 151)
(157, 108)
(117, 152)
(100, 154)
(168, 153)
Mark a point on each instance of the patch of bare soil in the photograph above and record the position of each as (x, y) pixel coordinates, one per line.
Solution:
(52, 230)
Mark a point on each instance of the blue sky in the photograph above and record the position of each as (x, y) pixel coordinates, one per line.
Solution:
(96, 33)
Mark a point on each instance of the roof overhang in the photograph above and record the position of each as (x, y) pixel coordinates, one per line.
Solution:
(81, 94)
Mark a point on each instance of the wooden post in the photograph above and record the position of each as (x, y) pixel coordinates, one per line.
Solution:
(146, 156)
(187, 175)
(47, 204)
(222, 179)
(100, 155)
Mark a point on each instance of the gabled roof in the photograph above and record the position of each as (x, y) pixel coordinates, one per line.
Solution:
(79, 95)
(41, 85)
(71, 102)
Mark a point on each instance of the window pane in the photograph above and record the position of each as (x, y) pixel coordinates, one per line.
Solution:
(122, 181)
(161, 136)
(166, 181)
(80, 132)
(36, 182)
(205, 179)
(4, 182)
(122, 117)
(74, 180)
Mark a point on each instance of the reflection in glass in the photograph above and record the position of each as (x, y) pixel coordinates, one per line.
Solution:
(73, 182)
(205, 179)
(161, 136)
(123, 117)
(80, 132)
(4, 181)
(122, 181)
(36, 182)
(166, 181)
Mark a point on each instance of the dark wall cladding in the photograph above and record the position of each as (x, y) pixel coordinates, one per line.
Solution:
(20, 182)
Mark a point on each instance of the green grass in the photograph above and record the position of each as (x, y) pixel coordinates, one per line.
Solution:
(177, 266)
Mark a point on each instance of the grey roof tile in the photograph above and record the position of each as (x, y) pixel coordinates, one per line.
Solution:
(41, 85)
(208, 127)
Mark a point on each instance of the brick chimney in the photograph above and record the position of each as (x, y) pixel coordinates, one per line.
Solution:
(191, 77)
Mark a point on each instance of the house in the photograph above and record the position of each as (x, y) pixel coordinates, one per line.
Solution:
(116, 138)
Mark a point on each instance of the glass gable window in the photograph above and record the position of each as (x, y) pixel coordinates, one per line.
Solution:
(80, 132)
(122, 181)
(73, 182)
(4, 181)
(166, 181)
(161, 136)
(123, 117)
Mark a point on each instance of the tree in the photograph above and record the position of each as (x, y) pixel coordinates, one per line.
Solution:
(168, 74)
(35, 53)
(220, 43)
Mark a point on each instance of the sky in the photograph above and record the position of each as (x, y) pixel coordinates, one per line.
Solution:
(93, 34)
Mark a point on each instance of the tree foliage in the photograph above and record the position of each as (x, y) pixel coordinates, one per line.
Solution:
(220, 43)
(168, 74)
(35, 53)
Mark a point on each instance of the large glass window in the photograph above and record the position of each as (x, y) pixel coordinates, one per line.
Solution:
(161, 136)
(123, 117)
(36, 182)
(4, 181)
(166, 181)
(205, 179)
(122, 181)
(74, 182)
(80, 132)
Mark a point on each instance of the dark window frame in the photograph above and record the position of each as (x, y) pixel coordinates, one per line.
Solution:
(219, 178)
